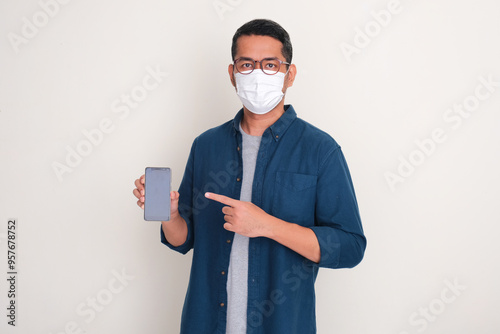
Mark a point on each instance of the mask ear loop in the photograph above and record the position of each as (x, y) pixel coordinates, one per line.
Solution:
(285, 76)
(288, 69)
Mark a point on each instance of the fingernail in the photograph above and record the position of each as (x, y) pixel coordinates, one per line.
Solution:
(207, 195)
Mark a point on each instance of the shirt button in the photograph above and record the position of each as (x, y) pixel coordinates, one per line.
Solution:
(238, 179)
(223, 273)
(221, 304)
(277, 136)
(238, 148)
(228, 241)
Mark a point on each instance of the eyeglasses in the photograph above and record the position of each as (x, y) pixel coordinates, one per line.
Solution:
(269, 66)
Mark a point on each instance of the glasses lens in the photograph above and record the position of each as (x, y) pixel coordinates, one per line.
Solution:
(270, 66)
(245, 66)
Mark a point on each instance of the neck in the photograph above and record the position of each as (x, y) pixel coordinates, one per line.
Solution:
(255, 125)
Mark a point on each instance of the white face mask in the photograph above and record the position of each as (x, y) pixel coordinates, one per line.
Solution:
(260, 93)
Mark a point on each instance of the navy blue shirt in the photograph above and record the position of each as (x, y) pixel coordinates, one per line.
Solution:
(301, 177)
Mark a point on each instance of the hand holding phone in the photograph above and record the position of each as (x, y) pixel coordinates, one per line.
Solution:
(157, 194)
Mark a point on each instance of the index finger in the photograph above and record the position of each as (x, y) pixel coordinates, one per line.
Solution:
(221, 199)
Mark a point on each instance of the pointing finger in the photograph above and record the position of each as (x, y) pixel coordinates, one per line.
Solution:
(221, 199)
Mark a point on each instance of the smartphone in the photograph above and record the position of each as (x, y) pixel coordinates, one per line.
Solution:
(157, 194)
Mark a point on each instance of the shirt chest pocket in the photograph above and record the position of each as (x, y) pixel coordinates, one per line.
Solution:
(295, 197)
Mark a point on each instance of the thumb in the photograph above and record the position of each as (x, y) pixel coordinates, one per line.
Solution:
(174, 195)
(174, 201)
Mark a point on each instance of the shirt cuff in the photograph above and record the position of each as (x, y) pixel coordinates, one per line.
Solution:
(183, 249)
(329, 246)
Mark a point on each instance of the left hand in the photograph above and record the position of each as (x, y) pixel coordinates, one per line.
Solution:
(244, 218)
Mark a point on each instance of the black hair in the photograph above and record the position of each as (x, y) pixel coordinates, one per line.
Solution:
(262, 27)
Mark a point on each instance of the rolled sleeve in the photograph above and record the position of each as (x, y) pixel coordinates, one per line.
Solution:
(185, 247)
(338, 223)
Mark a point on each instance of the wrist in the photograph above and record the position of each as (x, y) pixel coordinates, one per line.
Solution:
(273, 227)
(174, 217)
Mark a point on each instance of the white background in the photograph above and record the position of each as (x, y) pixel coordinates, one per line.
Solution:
(438, 223)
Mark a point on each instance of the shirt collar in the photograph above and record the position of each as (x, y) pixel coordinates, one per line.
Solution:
(278, 128)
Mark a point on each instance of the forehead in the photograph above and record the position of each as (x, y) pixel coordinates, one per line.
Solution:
(258, 47)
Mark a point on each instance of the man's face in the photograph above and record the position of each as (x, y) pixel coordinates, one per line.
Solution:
(258, 48)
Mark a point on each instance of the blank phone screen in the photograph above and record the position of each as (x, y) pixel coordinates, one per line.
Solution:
(157, 194)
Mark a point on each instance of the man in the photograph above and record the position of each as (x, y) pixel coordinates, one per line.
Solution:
(266, 199)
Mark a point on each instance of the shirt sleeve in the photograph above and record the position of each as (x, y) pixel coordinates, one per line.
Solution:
(186, 207)
(337, 219)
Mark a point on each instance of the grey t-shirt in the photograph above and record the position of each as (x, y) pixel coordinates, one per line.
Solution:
(237, 280)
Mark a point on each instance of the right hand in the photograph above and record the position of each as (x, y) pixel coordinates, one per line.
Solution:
(139, 193)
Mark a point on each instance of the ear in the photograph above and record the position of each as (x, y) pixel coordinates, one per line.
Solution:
(290, 77)
(231, 74)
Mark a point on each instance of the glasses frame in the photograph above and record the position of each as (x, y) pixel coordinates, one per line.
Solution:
(260, 62)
